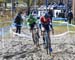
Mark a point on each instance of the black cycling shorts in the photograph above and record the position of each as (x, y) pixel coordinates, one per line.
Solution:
(32, 26)
(47, 27)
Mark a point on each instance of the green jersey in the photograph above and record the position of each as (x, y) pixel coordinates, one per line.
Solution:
(31, 19)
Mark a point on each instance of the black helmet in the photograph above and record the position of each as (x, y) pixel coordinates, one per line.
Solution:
(46, 15)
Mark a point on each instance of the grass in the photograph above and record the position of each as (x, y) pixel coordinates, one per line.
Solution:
(72, 28)
(5, 18)
(4, 21)
(62, 28)
(5, 24)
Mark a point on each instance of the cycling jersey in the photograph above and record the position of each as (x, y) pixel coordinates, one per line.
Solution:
(31, 19)
(45, 20)
(45, 23)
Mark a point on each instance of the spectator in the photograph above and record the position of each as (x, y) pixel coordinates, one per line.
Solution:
(14, 7)
(50, 13)
(18, 22)
(62, 15)
(57, 14)
(70, 16)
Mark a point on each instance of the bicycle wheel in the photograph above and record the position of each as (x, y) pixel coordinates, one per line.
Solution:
(46, 41)
(50, 49)
(48, 44)
(37, 39)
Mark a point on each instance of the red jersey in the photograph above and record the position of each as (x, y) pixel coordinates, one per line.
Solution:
(44, 20)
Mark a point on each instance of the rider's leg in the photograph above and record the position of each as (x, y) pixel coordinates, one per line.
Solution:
(42, 33)
(31, 30)
(38, 32)
(33, 36)
(43, 37)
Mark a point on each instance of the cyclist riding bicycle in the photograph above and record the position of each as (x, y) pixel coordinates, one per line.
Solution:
(45, 22)
(32, 22)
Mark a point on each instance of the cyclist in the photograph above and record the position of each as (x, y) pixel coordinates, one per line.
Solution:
(45, 22)
(32, 22)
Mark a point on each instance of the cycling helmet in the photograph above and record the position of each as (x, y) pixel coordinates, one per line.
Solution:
(46, 15)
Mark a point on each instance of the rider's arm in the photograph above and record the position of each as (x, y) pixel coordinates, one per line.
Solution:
(52, 28)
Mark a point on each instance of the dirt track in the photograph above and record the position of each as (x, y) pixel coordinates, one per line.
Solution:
(21, 47)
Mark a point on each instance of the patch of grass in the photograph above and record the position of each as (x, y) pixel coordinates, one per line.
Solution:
(4, 20)
(4, 24)
(72, 28)
(61, 29)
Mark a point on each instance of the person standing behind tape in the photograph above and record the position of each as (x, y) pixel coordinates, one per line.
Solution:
(50, 13)
(18, 22)
(70, 16)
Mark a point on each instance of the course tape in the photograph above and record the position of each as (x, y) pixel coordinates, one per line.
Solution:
(6, 29)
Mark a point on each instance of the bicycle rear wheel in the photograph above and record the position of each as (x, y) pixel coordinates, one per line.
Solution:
(36, 39)
(48, 44)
